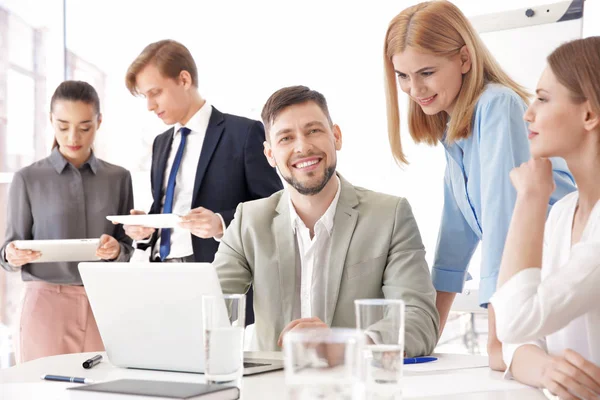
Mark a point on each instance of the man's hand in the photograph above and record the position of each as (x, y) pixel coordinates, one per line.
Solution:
(137, 232)
(570, 376)
(18, 258)
(333, 353)
(108, 248)
(203, 223)
(302, 323)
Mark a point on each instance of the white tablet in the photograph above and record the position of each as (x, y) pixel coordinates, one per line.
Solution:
(62, 249)
(148, 220)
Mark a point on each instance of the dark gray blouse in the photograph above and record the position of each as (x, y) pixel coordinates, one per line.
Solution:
(51, 199)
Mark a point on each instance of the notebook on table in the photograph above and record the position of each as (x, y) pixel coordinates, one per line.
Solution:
(156, 390)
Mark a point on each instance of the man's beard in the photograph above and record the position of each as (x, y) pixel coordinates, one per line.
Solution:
(311, 191)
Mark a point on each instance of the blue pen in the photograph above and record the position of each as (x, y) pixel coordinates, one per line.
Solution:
(419, 360)
(71, 379)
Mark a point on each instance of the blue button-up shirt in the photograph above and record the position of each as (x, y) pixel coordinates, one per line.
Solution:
(478, 196)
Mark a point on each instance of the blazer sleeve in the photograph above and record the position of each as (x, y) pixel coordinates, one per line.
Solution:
(261, 179)
(230, 261)
(144, 244)
(19, 219)
(155, 201)
(407, 277)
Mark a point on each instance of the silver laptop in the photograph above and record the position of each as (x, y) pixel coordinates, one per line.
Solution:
(150, 314)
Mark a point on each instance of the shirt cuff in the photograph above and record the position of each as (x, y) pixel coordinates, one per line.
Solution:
(487, 288)
(449, 280)
(122, 257)
(508, 353)
(143, 241)
(218, 239)
(5, 261)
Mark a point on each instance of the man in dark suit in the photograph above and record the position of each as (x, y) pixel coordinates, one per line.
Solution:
(203, 166)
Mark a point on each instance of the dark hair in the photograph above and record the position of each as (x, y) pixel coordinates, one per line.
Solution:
(169, 56)
(576, 65)
(75, 91)
(290, 96)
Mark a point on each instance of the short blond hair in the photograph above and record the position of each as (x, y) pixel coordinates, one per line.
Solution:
(169, 56)
(441, 29)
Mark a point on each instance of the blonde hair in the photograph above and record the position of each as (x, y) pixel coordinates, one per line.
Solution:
(441, 29)
(169, 56)
(576, 65)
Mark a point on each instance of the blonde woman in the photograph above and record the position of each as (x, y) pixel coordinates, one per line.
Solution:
(460, 97)
(556, 308)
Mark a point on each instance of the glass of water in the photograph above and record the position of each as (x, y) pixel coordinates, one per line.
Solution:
(223, 319)
(381, 321)
(323, 364)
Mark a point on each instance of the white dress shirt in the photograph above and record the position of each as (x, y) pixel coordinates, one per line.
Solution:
(181, 240)
(312, 261)
(556, 307)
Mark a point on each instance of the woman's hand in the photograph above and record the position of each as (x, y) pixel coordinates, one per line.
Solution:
(570, 376)
(534, 178)
(108, 248)
(18, 258)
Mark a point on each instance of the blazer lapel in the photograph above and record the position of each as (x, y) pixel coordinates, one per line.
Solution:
(216, 125)
(286, 255)
(344, 224)
(158, 178)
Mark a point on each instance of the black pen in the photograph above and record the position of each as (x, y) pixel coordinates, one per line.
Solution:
(87, 364)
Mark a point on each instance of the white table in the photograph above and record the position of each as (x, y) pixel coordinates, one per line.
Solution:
(467, 380)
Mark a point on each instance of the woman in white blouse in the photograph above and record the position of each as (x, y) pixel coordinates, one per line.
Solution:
(552, 314)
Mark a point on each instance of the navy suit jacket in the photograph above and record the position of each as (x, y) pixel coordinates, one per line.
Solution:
(232, 169)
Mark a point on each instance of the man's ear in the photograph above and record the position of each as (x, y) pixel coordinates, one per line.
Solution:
(185, 79)
(337, 134)
(465, 59)
(99, 121)
(269, 154)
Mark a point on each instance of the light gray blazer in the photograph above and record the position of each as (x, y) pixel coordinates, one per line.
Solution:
(376, 252)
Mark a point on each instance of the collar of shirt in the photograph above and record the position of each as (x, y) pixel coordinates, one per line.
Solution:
(59, 162)
(198, 122)
(326, 219)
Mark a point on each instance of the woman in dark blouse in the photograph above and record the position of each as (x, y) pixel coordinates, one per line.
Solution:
(65, 196)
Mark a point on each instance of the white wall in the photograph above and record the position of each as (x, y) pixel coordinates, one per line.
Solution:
(246, 50)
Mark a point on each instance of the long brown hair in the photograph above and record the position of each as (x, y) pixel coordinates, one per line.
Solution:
(441, 29)
(576, 65)
(75, 91)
